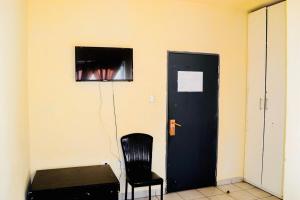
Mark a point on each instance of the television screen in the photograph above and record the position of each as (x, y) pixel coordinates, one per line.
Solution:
(103, 64)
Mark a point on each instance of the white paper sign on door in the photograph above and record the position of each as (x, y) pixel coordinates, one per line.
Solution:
(190, 81)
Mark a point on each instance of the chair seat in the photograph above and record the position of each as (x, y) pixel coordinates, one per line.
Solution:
(144, 179)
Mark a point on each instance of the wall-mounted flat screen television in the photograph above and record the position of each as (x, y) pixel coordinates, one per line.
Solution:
(103, 64)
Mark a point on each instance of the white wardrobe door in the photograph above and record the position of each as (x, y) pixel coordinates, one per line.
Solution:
(255, 96)
(275, 103)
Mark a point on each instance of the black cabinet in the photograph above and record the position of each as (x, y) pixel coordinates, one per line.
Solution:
(77, 183)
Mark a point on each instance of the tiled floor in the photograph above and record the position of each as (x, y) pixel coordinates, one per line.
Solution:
(237, 191)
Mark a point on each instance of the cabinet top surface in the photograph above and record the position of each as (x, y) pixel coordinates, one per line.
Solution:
(73, 177)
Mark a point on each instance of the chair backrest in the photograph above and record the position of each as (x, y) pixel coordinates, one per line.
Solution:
(137, 151)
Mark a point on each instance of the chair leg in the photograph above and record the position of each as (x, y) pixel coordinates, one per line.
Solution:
(126, 187)
(132, 193)
(161, 191)
(149, 192)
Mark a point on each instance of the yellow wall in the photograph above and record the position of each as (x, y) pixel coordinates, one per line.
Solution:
(71, 124)
(292, 162)
(14, 142)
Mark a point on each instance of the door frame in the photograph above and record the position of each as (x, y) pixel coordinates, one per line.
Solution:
(167, 108)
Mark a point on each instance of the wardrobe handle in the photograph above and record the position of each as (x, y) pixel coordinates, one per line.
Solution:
(266, 106)
(261, 103)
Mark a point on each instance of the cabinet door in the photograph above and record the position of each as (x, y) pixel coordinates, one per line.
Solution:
(275, 100)
(255, 96)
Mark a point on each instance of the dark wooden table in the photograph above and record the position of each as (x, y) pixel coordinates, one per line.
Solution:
(76, 183)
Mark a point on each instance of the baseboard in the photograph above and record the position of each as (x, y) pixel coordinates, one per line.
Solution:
(140, 193)
(230, 181)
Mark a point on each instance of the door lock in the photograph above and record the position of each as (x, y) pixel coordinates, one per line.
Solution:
(172, 127)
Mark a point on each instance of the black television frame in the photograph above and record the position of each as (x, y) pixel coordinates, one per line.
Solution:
(115, 48)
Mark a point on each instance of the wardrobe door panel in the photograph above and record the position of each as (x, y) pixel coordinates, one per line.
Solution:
(275, 100)
(255, 95)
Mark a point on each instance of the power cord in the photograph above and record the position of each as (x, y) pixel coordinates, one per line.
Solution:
(116, 129)
(115, 123)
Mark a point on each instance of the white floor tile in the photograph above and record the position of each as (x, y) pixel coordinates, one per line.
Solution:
(238, 191)
(146, 198)
(259, 193)
(171, 196)
(229, 187)
(190, 194)
(244, 186)
(271, 198)
(210, 191)
(242, 195)
(221, 197)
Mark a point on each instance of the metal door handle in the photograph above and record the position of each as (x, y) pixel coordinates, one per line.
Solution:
(178, 124)
(172, 127)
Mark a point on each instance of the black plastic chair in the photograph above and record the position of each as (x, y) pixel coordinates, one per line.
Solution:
(137, 151)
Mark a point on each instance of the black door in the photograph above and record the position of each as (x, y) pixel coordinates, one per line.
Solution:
(193, 83)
